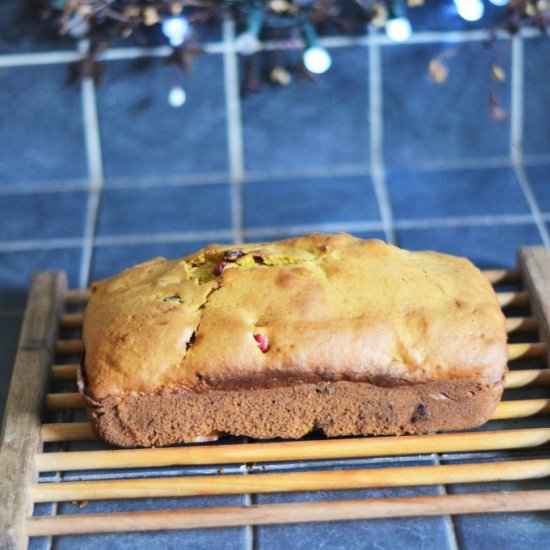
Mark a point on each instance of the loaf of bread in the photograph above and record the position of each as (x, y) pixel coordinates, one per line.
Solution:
(322, 333)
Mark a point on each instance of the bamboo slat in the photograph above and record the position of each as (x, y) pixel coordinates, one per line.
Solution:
(330, 480)
(495, 276)
(69, 347)
(60, 401)
(278, 451)
(521, 409)
(71, 320)
(521, 324)
(20, 432)
(513, 299)
(66, 431)
(290, 512)
(64, 373)
(528, 377)
(77, 295)
(527, 351)
(535, 265)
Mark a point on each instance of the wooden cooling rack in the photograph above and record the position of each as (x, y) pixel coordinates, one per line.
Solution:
(47, 358)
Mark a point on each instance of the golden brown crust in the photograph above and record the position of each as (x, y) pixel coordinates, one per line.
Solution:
(324, 308)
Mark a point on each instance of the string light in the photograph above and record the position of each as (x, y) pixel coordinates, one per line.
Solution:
(398, 27)
(176, 29)
(247, 43)
(316, 58)
(470, 10)
(177, 96)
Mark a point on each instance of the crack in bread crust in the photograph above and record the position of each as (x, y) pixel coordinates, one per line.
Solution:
(201, 308)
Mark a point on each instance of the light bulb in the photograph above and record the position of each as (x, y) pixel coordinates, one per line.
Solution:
(470, 10)
(398, 29)
(247, 43)
(499, 2)
(177, 96)
(317, 60)
(176, 29)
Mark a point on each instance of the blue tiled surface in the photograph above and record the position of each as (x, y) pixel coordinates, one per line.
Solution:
(403, 532)
(330, 129)
(539, 176)
(143, 137)
(9, 338)
(17, 268)
(40, 543)
(488, 246)
(37, 101)
(222, 539)
(452, 193)
(508, 530)
(537, 98)
(42, 215)
(165, 209)
(299, 202)
(23, 29)
(427, 122)
(167, 189)
(12, 299)
(399, 533)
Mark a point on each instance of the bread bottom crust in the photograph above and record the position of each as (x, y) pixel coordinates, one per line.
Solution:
(335, 408)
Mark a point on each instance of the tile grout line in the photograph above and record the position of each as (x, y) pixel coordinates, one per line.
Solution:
(465, 221)
(38, 58)
(236, 172)
(135, 52)
(234, 128)
(533, 203)
(516, 137)
(516, 108)
(95, 169)
(449, 519)
(307, 173)
(249, 530)
(256, 232)
(51, 540)
(216, 178)
(377, 138)
(253, 177)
